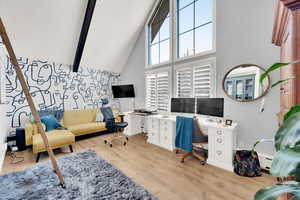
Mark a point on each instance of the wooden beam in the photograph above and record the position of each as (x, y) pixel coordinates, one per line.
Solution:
(25, 88)
(83, 34)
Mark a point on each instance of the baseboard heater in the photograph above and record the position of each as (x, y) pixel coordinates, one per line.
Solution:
(265, 161)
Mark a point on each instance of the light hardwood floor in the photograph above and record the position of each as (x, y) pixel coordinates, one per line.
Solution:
(161, 172)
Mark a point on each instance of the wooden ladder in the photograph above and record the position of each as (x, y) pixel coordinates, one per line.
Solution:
(34, 112)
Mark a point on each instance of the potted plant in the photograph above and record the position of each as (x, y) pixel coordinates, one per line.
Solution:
(286, 162)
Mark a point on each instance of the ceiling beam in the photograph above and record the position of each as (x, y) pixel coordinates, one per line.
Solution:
(83, 34)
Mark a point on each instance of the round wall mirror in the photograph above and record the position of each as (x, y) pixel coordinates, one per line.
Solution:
(241, 83)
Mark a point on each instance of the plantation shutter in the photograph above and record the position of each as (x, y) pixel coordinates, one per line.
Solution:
(151, 92)
(162, 91)
(184, 82)
(202, 81)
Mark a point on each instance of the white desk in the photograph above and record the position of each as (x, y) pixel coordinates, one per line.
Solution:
(162, 131)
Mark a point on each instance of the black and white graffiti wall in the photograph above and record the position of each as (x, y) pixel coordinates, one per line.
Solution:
(54, 86)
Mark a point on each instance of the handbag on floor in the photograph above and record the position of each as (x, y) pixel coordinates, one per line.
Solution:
(246, 163)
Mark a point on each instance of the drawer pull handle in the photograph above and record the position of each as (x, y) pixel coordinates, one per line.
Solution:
(219, 132)
(219, 153)
(219, 140)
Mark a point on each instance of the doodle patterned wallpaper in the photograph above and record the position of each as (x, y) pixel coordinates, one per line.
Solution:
(54, 86)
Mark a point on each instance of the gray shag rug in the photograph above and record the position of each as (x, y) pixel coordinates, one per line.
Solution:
(87, 176)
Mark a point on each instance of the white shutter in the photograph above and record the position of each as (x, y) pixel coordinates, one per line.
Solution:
(151, 92)
(157, 91)
(202, 81)
(184, 82)
(162, 91)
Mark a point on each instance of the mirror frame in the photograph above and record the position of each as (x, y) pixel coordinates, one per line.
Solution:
(245, 65)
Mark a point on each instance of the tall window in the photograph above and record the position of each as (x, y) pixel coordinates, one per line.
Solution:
(159, 34)
(194, 27)
(157, 91)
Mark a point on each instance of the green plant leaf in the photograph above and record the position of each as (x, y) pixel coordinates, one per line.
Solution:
(292, 111)
(274, 67)
(288, 135)
(286, 163)
(270, 69)
(275, 191)
(284, 80)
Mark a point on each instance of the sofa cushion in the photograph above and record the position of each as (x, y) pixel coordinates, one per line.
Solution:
(56, 139)
(86, 128)
(76, 117)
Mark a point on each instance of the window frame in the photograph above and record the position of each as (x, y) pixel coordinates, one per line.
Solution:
(147, 53)
(174, 46)
(167, 69)
(188, 65)
(176, 36)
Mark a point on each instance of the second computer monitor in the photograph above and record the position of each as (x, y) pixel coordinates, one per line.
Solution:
(210, 106)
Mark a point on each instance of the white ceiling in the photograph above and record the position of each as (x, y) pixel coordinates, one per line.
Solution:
(50, 29)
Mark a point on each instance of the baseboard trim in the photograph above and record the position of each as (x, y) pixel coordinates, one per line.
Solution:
(216, 163)
(3, 148)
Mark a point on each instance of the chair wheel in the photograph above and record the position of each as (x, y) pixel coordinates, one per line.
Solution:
(110, 145)
(127, 138)
(125, 143)
(105, 141)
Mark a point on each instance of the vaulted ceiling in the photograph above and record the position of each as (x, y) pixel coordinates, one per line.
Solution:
(50, 29)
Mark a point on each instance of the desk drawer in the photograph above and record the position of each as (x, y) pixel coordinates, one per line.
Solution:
(152, 125)
(167, 134)
(220, 154)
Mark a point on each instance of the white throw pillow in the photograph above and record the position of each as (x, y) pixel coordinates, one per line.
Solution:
(99, 117)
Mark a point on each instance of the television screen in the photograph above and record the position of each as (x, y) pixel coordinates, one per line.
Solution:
(210, 106)
(123, 91)
(183, 105)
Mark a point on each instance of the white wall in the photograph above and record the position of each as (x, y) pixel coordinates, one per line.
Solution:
(50, 29)
(3, 133)
(244, 31)
(134, 73)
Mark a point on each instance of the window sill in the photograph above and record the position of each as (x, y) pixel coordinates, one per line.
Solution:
(158, 65)
(183, 59)
(195, 57)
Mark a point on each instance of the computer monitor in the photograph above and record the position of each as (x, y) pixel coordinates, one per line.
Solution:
(183, 105)
(210, 106)
(123, 91)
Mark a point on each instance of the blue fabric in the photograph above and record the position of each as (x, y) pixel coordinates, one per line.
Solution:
(107, 113)
(184, 133)
(121, 124)
(104, 101)
(50, 122)
(109, 120)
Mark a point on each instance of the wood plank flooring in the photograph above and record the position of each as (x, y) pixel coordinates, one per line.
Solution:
(160, 171)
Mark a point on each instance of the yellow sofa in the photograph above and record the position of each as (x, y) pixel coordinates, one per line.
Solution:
(77, 122)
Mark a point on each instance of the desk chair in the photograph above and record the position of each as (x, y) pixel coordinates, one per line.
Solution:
(199, 144)
(114, 127)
